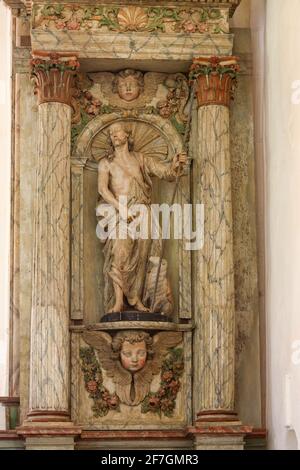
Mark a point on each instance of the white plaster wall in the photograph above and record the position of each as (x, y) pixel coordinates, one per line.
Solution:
(283, 221)
(5, 123)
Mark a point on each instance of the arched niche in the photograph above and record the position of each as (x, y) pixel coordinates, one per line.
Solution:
(156, 138)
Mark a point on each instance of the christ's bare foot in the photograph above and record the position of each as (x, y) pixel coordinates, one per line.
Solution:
(140, 307)
(118, 307)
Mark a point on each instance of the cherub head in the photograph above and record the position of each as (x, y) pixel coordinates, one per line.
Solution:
(129, 84)
(132, 348)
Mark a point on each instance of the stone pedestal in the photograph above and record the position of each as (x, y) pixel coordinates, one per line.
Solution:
(219, 443)
(223, 436)
(50, 343)
(214, 271)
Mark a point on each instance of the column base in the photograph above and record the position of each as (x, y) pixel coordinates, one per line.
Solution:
(217, 418)
(48, 416)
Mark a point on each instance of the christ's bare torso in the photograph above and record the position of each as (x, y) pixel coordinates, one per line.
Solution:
(117, 175)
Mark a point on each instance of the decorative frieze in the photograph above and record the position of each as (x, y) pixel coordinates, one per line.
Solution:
(53, 75)
(216, 78)
(131, 18)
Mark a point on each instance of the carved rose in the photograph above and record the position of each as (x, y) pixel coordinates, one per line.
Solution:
(174, 386)
(60, 24)
(154, 402)
(203, 27)
(93, 108)
(113, 402)
(178, 367)
(73, 25)
(167, 376)
(92, 386)
(189, 26)
(164, 109)
(167, 405)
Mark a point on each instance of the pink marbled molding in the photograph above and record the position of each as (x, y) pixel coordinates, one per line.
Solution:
(221, 430)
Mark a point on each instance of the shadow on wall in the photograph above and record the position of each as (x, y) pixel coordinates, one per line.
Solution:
(291, 441)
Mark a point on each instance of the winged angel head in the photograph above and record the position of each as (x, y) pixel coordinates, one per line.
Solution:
(131, 359)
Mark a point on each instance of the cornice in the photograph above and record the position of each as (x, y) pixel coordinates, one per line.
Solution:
(25, 5)
(28, 4)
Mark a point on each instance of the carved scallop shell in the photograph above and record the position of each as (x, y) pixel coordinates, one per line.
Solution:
(132, 18)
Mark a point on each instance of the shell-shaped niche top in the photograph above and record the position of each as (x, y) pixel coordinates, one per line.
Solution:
(145, 138)
(132, 18)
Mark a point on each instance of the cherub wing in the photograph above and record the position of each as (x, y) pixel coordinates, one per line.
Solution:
(162, 343)
(102, 343)
(102, 85)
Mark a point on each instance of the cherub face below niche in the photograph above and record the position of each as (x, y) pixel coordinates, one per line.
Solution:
(133, 356)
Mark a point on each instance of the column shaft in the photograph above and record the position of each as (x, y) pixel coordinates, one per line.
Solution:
(49, 374)
(215, 263)
(50, 340)
(214, 269)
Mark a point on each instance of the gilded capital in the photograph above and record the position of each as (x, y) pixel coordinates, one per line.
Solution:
(53, 75)
(216, 79)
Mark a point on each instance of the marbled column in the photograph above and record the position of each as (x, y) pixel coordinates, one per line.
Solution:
(50, 341)
(215, 310)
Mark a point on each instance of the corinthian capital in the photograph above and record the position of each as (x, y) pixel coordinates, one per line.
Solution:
(53, 75)
(216, 79)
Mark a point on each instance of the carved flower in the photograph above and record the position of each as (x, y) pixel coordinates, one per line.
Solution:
(203, 27)
(167, 405)
(178, 367)
(167, 376)
(93, 108)
(113, 402)
(88, 95)
(60, 24)
(189, 26)
(174, 386)
(154, 402)
(164, 109)
(73, 25)
(161, 392)
(92, 386)
(132, 18)
(73, 63)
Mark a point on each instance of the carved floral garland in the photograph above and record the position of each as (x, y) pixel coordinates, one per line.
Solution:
(161, 402)
(164, 400)
(103, 400)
